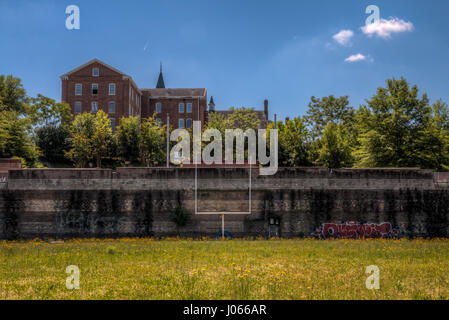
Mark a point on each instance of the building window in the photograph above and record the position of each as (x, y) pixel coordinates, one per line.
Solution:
(78, 89)
(95, 72)
(130, 111)
(112, 89)
(189, 123)
(111, 107)
(94, 108)
(159, 122)
(113, 125)
(189, 108)
(78, 107)
(181, 108)
(158, 107)
(181, 123)
(95, 88)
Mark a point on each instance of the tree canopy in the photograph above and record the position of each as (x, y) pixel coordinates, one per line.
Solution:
(238, 118)
(293, 142)
(16, 140)
(391, 127)
(13, 96)
(397, 127)
(335, 147)
(322, 111)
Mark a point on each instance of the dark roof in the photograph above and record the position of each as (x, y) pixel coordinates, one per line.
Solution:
(160, 81)
(176, 93)
(91, 62)
(103, 64)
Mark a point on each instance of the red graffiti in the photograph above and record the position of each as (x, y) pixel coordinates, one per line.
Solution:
(356, 230)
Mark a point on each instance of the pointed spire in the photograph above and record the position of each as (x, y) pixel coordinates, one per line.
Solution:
(212, 104)
(160, 80)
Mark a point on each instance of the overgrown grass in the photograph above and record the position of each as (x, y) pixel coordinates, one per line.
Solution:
(237, 269)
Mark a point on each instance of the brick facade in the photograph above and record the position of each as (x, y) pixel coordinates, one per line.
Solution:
(194, 102)
(131, 101)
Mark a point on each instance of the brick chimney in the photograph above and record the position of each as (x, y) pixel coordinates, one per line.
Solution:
(265, 108)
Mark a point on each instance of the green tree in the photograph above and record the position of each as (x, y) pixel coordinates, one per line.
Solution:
(151, 142)
(81, 138)
(127, 137)
(217, 121)
(327, 110)
(293, 143)
(12, 95)
(335, 147)
(102, 137)
(391, 127)
(22, 118)
(16, 140)
(53, 141)
(48, 112)
(240, 118)
(434, 153)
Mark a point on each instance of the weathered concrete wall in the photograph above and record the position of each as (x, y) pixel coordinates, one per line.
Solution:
(140, 202)
(5, 165)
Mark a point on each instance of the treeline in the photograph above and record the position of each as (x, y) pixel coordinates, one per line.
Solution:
(396, 127)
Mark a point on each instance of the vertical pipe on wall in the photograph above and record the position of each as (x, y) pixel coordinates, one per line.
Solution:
(168, 140)
(222, 227)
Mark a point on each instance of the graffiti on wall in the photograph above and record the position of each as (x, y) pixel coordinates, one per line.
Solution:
(356, 230)
(87, 223)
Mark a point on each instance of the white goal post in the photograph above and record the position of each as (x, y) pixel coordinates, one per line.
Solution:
(222, 213)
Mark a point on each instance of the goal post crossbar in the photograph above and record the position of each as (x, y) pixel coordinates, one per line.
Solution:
(222, 213)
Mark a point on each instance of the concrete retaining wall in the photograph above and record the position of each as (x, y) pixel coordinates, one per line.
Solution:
(295, 202)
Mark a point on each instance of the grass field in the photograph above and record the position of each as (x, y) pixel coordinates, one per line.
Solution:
(237, 269)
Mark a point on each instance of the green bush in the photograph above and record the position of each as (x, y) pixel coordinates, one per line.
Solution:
(180, 216)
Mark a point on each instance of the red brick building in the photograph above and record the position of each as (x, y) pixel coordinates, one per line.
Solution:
(183, 106)
(97, 86)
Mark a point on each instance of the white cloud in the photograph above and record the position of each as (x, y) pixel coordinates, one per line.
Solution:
(356, 57)
(343, 37)
(384, 28)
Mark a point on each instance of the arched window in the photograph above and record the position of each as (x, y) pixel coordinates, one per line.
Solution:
(111, 107)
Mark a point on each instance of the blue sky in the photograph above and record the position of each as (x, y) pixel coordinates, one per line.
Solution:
(242, 51)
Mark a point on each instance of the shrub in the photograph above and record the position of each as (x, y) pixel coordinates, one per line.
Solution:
(180, 216)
